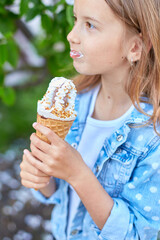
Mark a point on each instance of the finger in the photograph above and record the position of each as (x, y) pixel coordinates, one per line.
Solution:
(28, 167)
(37, 153)
(52, 137)
(36, 163)
(36, 186)
(46, 159)
(32, 178)
(43, 146)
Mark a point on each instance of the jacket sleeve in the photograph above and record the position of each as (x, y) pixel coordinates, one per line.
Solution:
(53, 199)
(136, 213)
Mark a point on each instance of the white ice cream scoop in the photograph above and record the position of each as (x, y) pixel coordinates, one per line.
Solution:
(59, 100)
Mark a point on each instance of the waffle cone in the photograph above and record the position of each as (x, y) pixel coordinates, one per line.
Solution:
(60, 127)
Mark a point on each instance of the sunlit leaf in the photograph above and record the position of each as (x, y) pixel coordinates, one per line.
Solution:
(23, 6)
(47, 22)
(8, 95)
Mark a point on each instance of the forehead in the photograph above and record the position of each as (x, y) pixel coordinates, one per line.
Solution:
(97, 8)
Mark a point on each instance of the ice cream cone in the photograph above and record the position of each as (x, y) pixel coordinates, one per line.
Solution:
(60, 127)
(56, 110)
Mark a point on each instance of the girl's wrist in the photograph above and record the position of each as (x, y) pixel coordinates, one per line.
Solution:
(49, 189)
(80, 177)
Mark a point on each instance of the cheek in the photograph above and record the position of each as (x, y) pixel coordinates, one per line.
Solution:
(102, 56)
(110, 54)
(99, 56)
(107, 49)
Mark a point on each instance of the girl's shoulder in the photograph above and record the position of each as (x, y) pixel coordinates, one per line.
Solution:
(143, 136)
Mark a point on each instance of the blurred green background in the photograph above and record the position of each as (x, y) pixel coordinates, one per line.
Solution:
(33, 50)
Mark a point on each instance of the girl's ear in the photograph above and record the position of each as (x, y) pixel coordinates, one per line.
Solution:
(135, 48)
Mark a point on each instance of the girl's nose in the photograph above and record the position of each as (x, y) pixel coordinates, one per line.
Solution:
(73, 36)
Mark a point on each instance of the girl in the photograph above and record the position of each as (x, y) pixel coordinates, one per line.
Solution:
(105, 178)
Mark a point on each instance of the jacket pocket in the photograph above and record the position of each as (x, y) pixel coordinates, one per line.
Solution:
(117, 171)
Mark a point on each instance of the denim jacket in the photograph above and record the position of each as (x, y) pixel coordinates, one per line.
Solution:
(128, 168)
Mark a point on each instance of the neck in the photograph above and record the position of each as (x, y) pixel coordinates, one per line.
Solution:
(112, 101)
(113, 89)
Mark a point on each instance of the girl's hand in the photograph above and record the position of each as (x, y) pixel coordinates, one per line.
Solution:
(57, 159)
(31, 177)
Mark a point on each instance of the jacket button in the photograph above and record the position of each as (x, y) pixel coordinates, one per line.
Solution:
(97, 169)
(74, 145)
(119, 138)
(74, 232)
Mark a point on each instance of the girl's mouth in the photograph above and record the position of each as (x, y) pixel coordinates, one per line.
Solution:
(75, 54)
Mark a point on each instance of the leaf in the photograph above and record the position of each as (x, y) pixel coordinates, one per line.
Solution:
(1, 78)
(36, 1)
(7, 26)
(69, 15)
(23, 6)
(31, 13)
(3, 53)
(47, 23)
(8, 95)
(13, 54)
(7, 2)
(2, 10)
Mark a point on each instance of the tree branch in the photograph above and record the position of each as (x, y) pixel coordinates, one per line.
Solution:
(22, 26)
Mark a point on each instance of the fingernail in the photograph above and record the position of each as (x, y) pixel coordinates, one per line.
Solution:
(34, 124)
(25, 151)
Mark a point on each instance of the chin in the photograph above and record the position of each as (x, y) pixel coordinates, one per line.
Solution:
(83, 70)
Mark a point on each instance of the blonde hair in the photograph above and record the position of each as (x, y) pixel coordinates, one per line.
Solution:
(140, 16)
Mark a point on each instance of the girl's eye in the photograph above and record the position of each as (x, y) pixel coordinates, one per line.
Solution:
(89, 25)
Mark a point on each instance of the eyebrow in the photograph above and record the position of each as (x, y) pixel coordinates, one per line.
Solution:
(92, 19)
(89, 18)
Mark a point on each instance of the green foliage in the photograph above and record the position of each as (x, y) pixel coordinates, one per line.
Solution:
(8, 95)
(18, 104)
(16, 121)
(24, 4)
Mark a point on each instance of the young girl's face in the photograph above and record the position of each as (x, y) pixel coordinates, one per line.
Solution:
(97, 38)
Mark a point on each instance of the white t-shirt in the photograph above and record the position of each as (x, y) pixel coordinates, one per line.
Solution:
(93, 137)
